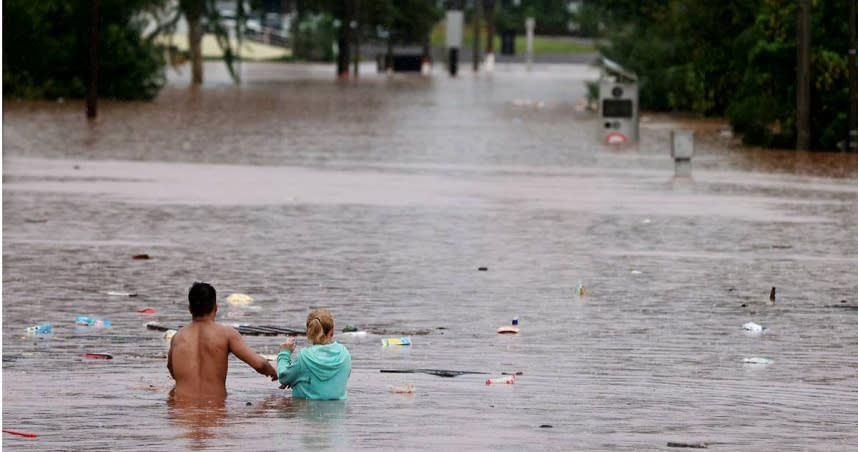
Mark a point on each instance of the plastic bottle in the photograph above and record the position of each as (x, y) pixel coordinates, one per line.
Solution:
(83, 320)
(44, 328)
(581, 289)
(508, 380)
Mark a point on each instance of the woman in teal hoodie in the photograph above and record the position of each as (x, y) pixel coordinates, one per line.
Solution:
(320, 371)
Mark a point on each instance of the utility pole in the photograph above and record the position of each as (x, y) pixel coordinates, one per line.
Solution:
(92, 82)
(802, 109)
(475, 17)
(852, 141)
(490, 34)
(357, 38)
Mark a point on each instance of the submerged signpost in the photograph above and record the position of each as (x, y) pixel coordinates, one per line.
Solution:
(455, 20)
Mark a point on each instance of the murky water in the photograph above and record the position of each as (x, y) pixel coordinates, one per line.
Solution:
(379, 200)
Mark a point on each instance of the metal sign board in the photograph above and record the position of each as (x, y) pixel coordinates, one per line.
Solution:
(455, 21)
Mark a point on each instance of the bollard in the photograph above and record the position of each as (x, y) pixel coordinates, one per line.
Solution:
(681, 149)
(529, 25)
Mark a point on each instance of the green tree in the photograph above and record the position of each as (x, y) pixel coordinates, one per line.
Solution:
(168, 13)
(45, 50)
(734, 58)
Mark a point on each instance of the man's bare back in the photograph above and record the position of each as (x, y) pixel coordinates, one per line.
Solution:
(198, 358)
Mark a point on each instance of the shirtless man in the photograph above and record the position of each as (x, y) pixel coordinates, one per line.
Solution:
(198, 352)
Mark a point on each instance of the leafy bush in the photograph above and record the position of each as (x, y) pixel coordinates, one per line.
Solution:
(46, 50)
(735, 58)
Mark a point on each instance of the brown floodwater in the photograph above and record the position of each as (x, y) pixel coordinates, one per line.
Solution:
(379, 200)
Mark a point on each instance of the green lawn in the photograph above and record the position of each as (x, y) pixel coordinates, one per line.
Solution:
(541, 44)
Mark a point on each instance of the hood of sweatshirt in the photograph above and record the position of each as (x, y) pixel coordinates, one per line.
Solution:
(323, 361)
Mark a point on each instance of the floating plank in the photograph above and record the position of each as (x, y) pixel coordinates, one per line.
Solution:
(436, 372)
(249, 330)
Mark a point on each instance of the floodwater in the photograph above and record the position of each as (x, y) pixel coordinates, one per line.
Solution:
(379, 200)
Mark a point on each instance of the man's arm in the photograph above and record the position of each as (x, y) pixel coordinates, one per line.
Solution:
(244, 353)
(170, 359)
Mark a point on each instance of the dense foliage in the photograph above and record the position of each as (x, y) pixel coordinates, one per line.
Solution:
(46, 50)
(735, 58)
(552, 16)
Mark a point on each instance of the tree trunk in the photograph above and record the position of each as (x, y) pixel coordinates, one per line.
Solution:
(803, 75)
(476, 19)
(852, 140)
(193, 13)
(343, 54)
(490, 23)
(357, 38)
(388, 57)
(92, 82)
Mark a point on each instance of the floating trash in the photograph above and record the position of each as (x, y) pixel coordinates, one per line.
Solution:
(510, 329)
(44, 328)
(89, 321)
(141, 257)
(482, 269)
(17, 433)
(355, 333)
(349, 329)
(772, 296)
(168, 335)
(146, 311)
(758, 360)
(752, 327)
(404, 389)
(646, 221)
(121, 294)
(636, 272)
(396, 341)
(508, 380)
(239, 299)
(581, 290)
(97, 356)
(689, 445)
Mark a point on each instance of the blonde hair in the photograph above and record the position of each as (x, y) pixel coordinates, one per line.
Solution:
(319, 324)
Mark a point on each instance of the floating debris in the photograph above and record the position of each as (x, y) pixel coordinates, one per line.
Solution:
(121, 294)
(546, 426)
(581, 290)
(689, 445)
(758, 360)
(168, 335)
(97, 356)
(146, 311)
(89, 321)
(44, 328)
(510, 329)
(754, 328)
(404, 389)
(349, 329)
(483, 269)
(508, 380)
(35, 220)
(396, 341)
(25, 435)
(436, 372)
(355, 333)
(141, 257)
(239, 299)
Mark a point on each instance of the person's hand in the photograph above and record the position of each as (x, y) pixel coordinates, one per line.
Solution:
(285, 387)
(289, 344)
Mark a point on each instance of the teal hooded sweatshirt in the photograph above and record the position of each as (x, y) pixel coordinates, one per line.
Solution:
(317, 372)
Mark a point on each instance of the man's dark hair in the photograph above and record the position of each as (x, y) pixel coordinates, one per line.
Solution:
(201, 298)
